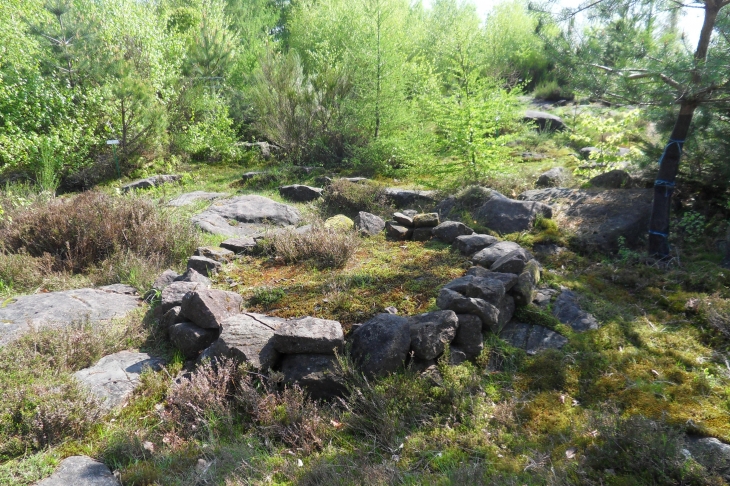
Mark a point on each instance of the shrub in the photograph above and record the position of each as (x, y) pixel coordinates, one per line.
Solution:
(324, 247)
(552, 91)
(344, 197)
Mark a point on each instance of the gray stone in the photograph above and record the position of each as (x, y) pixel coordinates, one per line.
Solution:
(397, 232)
(191, 197)
(426, 220)
(422, 234)
(149, 182)
(248, 338)
(469, 335)
(555, 177)
(457, 356)
(470, 244)
(172, 295)
(420, 365)
(369, 224)
(204, 266)
(247, 176)
(391, 310)
(318, 374)
(490, 289)
(431, 332)
(544, 121)
(532, 338)
(711, 453)
(245, 216)
(488, 313)
(114, 377)
(506, 311)
(524, 291)
(403, 220)
(444, 208)
(264, 148)
(221, 255)
(60, 309)
(613, 179)
(411, 213)
(208, 308)
(300, 192)
(309, 335)
(488, 256)
(119, 288)
(165, 279)
(323, 181)
(403, 198)
(356, 180)
(543, 297)
(568, 311)
(191, 275)
(380, 345)
(505, 215)
(191, 339)
(172, 317)
(509, 280)
(240, 245)
(80, 471)
(512, 262)
(448, 231)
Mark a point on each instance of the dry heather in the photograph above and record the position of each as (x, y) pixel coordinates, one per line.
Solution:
(325, 247)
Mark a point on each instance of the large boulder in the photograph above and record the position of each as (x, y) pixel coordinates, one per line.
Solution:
(426, 220)
(403, 198)
(422, 234)
(598, 218)
(380, 345)
(204, 265)
(81, 471)
(339, 222)
(191, 197)
(470, 244)
(403, 219)
(192, 275)
(532, 338)
(191, 339)
(524, 292)
(300, 193)
(309, 335)
(369, 224)
(245, 216)
(711, 453)
(491, 254)
(488, 313)
(431, 332)
(149, 182)
(505, 215)
(509, 280)
(245, 244)
(490, 289)
(512, 262)
(544, 121)
(172, 295)
(469, 335)
(555, 177)
(247, 338)
(164, 279)
(172, 317)
(208, 308)
(222, 255)
(318, 374)
(613, 179)
(448, 231)
(398, 232)
(568, 311)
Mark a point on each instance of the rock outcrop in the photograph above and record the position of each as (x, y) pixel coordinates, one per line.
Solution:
(245, 216)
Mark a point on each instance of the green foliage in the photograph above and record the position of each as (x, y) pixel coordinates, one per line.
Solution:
(692, 224)
(266, 296)
(552, 91)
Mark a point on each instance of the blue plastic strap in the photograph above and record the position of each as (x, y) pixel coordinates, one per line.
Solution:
(658, 233)
(668, 185)
(672, 141)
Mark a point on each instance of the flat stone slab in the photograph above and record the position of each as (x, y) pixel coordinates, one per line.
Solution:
(149, 182)
(81, 471)
(61, 309)
(532, 338)
(114, 377)
(191, 197)
(402, 198)
(568, 311)
(245, 216)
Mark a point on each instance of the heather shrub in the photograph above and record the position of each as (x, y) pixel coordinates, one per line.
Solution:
(349, 198)
(324, 247)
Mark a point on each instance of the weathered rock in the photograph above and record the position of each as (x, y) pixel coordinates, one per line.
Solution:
(597, 218)
(369, 224)
(208, 308)
(448, 231)
(491, 254)
(457, 356)
(323, 181)
(397, 232)
(203, 265)
(543, 297)
(339, 222)
(711, 453)
(191, 339)
(532, 338)
(403, 220)
(118, 288)
(191, 275)
(485, 288)
(191, 197)
(300, 192)
(422, 234)
(613, 179)
(247, 176)
(248, 338)
(450, 300)
(431, 332)
(470, 244)
(318, 374)
(506, 311)
(524, 291)
(264, 148)
(245, 216)
(61, 309)
(421, 365)
(240, 245)
(172, 295)
(380, 345)
(444, 208)
(402, 198)
(391, 310)
(309, 335)
(505, 215)
(555, 177)
(568, 311)
(218, 254)
(426, 220)
(544, 121)
(172, 317)
(512, 262)
(149, 182)
(114, 377)
(80, 471)
(356, 180)
(411, 213)
(469, 335)
(165, 279)
(509, 280)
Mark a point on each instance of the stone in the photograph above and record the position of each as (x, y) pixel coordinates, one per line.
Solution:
(532, 338)
(248, 338)
(323, 181)
(191, 339)
(598, 218)
(568, 311)
(470, 244)
(488, 313)
(369, 224)
(448, 231)
(247, 176)
(149, 182)
(422, 234)
(309, 335)
(81, 471)
(245, 216)
(506, 311)
(524, 291)
(555, 177)
(420, 365)
(165, 279)
(264, 148)
(61, 309)
(491, 254)
(240, 245)
(118, 288)
(485, 288)
(411, 213)
(509, 280)
(457, 356)
(318, 374)
(172, 295)
(300, 192)
(512, 262)
(403, 220)
(356, 180)
(191, 275)
(203, 265)
(543, 297)
(172, 317)
(208, 308)
(444, 208)
(402, 198)
(191, 197)
(505, 215)
(711, 453)
(469, 335)
(426, 220)
(114, 377)
(431, 332)
(397, 232)
(218, 254)
(544, 121)
(391, 310)
(380, 345)
(613, 179)
(339, 222)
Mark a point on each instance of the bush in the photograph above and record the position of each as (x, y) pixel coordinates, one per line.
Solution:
(349, 198)
(552, 91)
(324, 247)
